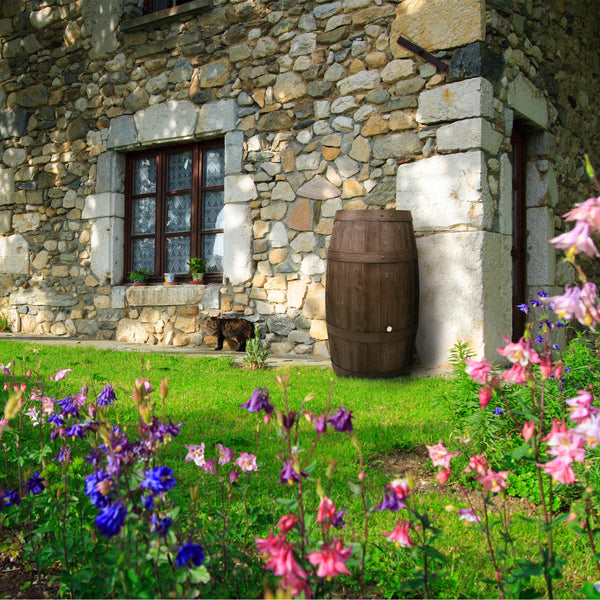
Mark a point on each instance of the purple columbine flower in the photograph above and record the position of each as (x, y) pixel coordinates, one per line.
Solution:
(69, 406)
(338, 520)
(189, 553)
(288, 420)
(35, 485)
(288, 474)
(523, 308)
(342, 420)
(64, 455)
(60, 374)
(76, 430)
(106, 396)
(258, 401)
(498, 411)
(158, 479)
(320, 423)
(10, 498)
(111, 518)
(391, 501)
(226, 455)
(56, 420)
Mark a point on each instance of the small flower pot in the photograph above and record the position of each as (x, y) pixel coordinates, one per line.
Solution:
(138, 283)
(197, 278)
(170, 279)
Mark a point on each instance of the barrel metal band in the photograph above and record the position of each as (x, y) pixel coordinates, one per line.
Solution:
(372, 337)
(371, 257)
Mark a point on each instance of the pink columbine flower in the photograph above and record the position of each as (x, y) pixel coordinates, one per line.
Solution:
(246, 462)
(589, 305)
(589, 430)
(528, 430)
(6, 369)
(469, 515)
(295, 586)
(485, 395)
(588, 211)
(493, 482)
(225, 454)
(560, 470)
(400, 534)
(568, 445)
(440, 457)
(209, 467)
(287, 522)
(477, 464)
(331, 559)
(478, 369)
(566, 306)
(326, 512)
(516, 374)
(283, 562)
(546, 366)
(577, 240)
(60, 374)
(34, 416)
(520, 352)
(443, 476)
(581, 406)
(195, 453)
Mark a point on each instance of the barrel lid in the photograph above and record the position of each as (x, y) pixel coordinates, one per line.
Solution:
(373, 215)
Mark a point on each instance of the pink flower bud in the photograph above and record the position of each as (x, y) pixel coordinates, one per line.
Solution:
(528, 430)
(485, 395)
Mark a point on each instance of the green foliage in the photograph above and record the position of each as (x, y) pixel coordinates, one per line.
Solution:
(197, 265)
(139, 276)
(256, 351)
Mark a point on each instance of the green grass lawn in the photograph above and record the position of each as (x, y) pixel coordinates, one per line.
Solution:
(393, 420)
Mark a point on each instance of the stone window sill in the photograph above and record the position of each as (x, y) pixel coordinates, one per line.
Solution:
(183, 294)
(166, 15)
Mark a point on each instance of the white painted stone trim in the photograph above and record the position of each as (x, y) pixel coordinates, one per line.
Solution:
(173, 121)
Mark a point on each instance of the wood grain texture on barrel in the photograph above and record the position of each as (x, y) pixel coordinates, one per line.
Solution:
(372, 293)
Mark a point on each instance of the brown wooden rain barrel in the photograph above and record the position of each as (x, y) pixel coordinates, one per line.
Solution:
(372, 293)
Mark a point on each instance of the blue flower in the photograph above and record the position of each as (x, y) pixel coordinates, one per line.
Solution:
(498, 411)
(106, 396)
(523, 308)
(97, 487)
(111, 518)
(342, 420)
(64, 455)
(36, 484)
(189, 553)
(542, 293)
(258, 401)
(539, 339)
(161, 526)
(76, 430)
(556, 347)
(56, 420)
(158, 479)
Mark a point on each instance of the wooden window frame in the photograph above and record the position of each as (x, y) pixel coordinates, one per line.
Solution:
(197, 191)
(149, 6)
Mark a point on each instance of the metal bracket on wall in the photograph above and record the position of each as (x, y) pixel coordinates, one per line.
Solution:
(434, 60)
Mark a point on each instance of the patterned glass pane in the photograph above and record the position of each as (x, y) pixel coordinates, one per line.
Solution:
(179, 213)
(144, 175)
(213, 252)
(178, 254)
(144, 215)
(214, 166)
(213, 210)
(179, 173)
(143, 254)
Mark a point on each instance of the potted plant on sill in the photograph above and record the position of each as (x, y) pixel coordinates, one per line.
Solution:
(197, 270)
(139, 276)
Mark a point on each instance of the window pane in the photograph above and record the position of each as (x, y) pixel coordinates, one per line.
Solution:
(179, 171)
(213, 252)
(144, 175)
(214, 166)
(213, 210)
(142, 251)
(179, 213)
(144, 215)
(178, 254)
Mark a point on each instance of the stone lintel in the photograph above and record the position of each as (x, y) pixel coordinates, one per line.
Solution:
(166, 122)
(455, 101)
(528, 101)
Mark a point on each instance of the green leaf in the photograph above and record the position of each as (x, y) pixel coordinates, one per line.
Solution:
(589, 590)
(355, 489)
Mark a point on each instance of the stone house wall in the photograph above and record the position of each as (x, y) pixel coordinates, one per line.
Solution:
(320, 110)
